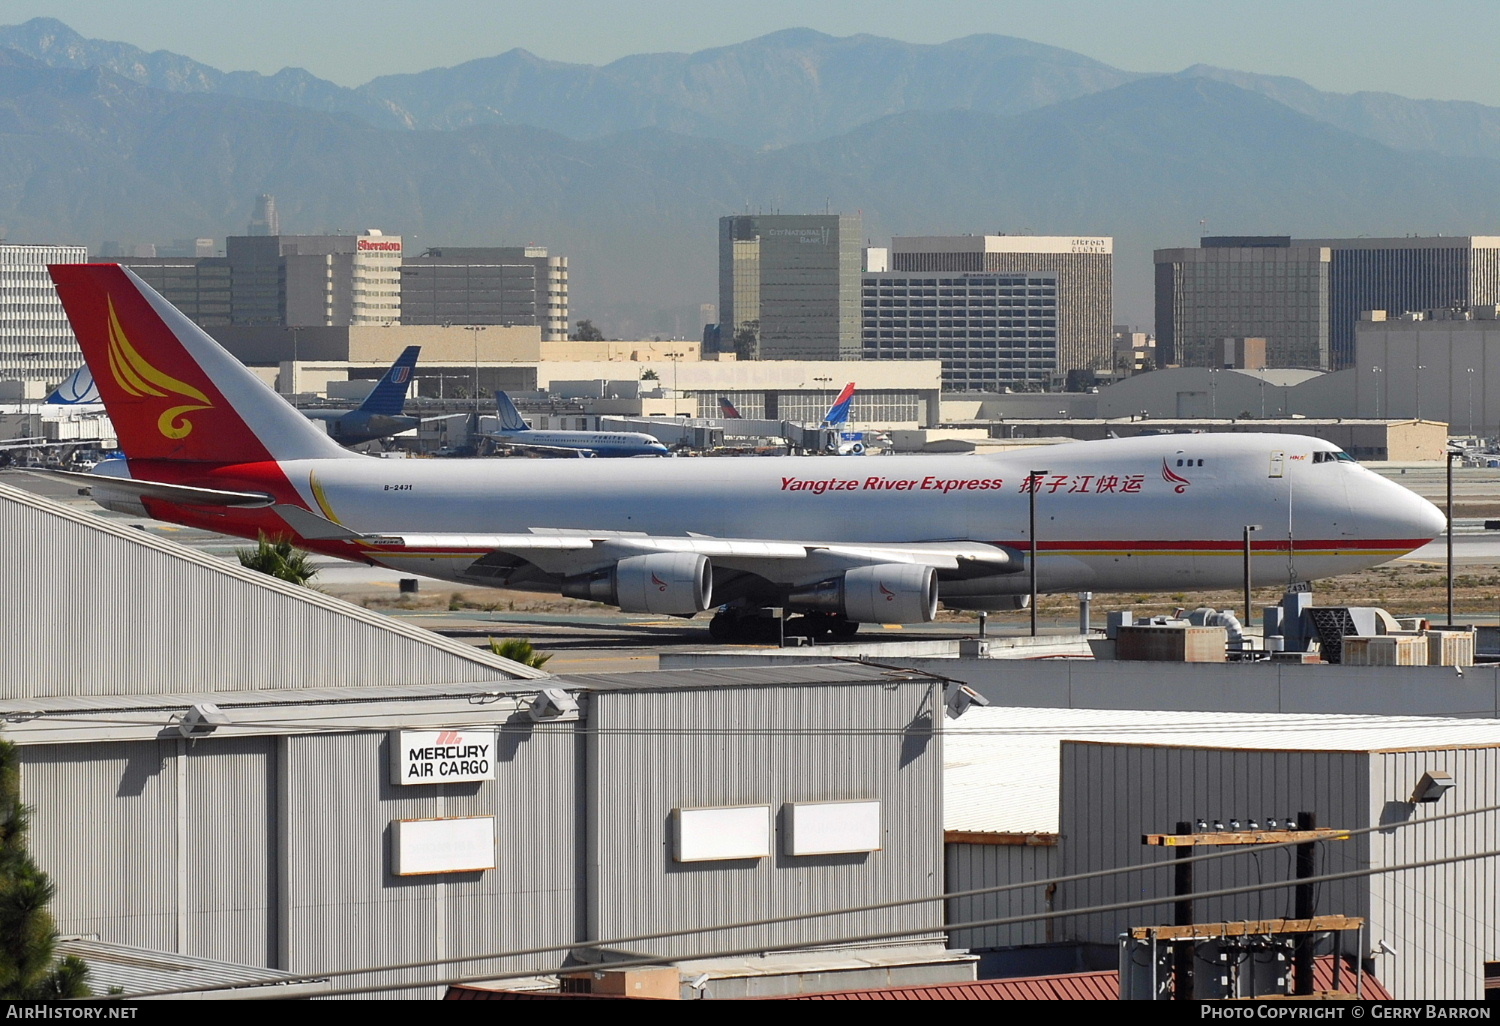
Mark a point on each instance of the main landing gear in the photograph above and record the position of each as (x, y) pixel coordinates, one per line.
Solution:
(759, 626)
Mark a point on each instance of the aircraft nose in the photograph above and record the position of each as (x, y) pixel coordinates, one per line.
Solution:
(1431, 521)
(1416, 517)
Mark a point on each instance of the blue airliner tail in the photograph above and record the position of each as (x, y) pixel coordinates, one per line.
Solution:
(78, 390)
(510, 417)
(388, 398)
(838, 413)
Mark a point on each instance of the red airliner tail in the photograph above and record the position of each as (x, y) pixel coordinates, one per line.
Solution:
(172, 392)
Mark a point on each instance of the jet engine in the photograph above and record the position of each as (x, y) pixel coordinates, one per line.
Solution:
(673, 583)
(887, 593)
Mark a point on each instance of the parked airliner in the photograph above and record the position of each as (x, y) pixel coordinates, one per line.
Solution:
(516, 433)
(209, 445)
(379, 416)
(382, 414)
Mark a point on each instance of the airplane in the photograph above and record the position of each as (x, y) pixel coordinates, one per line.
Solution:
(209, 445)
(517, 434)
(380, 415)
(78, 390)
(727, 409)
(836, 439)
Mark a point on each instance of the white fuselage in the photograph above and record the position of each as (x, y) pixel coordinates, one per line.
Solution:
(599, 443)
(1163, 512)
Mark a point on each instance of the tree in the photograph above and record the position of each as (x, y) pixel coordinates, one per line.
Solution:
(648, 375)
(29, 970)
(519, 650)
(279, 558)
(586, 332)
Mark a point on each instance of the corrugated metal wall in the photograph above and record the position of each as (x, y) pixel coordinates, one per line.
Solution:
(972, 866)
(1443, 922)
(108, 611)
(160, 844)
(276, 851)
(1112, 794)
(652, 753)
(346, 910)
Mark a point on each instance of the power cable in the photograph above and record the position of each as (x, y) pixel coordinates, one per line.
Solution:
(906, 933)
(896, 903)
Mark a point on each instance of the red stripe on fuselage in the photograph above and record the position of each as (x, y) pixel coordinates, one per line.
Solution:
(1235, 545)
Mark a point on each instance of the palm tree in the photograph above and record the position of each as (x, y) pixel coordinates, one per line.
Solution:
(279, 558)
(519, 650)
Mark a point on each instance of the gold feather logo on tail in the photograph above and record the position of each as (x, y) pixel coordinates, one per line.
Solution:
(139, 378)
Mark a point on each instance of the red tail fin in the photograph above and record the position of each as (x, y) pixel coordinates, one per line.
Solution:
(171, 391)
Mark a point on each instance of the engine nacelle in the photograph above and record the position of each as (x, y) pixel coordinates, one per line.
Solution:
(672, 583)
(887, 593)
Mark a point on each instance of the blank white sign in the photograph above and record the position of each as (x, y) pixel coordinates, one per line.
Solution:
(421, 846)
(742, 832)
(832, 828)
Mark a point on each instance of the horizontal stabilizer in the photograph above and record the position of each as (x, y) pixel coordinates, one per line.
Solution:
(311, 527)
(184, 494)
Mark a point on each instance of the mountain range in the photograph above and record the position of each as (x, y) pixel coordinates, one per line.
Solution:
(625, 168)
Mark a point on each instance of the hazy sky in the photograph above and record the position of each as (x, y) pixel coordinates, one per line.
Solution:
(1439, 49)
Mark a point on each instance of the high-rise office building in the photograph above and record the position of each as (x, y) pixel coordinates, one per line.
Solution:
(265, 220)
(198, 286)
(1272, 291)
(1357, 274)
(285, 280)
(991, 331)
(515, 285)
(789, 286)
(36, 341)
(1083, 266)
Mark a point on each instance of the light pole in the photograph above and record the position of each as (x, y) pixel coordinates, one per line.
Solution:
(1420, 367)
(476, 329)
(1213, 394)
(1448, 459)
(674, 357)
(1036, 483)
(1248, 529)
(1376, 371)
(1469, 373)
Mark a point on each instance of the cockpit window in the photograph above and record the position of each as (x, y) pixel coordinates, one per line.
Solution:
(1337, 456)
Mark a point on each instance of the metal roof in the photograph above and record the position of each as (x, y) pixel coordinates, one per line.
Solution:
(1100, 985)
(84, 718)
(141, 970)
(780, 675)
(1001, 764)
(106, 609)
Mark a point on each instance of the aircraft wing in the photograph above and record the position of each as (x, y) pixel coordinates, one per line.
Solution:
(571, 553)
(509, 442)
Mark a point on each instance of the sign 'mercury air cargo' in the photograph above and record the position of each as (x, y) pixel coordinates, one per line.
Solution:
(442, 756)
